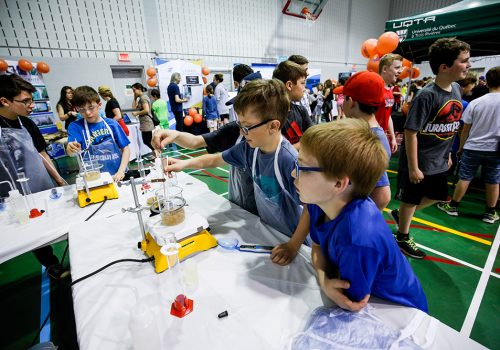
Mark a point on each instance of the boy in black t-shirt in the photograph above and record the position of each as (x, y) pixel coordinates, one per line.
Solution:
(433, 121)
(294, 78)
(22, 149)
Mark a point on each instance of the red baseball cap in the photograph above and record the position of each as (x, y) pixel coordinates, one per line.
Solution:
(366, 88)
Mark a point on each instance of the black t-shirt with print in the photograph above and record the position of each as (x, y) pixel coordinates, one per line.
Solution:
(297, 123)
(435, 116)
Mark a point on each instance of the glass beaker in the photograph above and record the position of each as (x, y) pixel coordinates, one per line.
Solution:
(171, 205)
(90, 169)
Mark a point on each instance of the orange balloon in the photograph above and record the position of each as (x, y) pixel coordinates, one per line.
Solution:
(151, 72)
(188, 120)
(338, 90)
(204, 80)
(405, 73)
(406, 63)
(193, 111)
(3, 66)
(205, 71)
(42, 67)
(25, 65)
(387, 43)
(373, 63)
(197, 118)
(415, 73)
(152, 82)
(368, 49)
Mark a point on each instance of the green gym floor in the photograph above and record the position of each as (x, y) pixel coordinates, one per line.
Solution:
(460, 275)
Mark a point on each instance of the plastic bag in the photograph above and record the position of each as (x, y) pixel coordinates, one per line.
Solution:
(335, 328)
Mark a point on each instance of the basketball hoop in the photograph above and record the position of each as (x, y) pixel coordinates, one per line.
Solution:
(308, 16)
(308, 10)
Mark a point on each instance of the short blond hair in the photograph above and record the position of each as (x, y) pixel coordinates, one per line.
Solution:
(105, 91)
(386, 60)
(268, 98)
(347, 147)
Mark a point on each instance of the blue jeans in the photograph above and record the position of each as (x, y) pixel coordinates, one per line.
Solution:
(489, 162)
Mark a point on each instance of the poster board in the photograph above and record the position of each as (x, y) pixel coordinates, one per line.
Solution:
(42, 115)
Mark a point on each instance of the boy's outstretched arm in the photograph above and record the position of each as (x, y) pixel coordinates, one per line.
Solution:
(162, 138)
(202, 162)
(333, 288)
(283, 254)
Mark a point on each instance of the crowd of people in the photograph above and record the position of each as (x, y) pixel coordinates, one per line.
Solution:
(312, 165)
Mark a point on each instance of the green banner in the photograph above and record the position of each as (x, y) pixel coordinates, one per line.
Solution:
(464, 19)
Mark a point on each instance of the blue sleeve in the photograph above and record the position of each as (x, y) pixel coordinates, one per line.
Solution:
(177, 91)
(359, 266)
(204, 106)
(118, 133)
(75, 133)
(236, 155)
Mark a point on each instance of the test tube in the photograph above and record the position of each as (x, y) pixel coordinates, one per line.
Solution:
(164, 156)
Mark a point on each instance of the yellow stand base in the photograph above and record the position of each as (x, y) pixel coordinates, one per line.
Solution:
(97, 195)
(189, 245)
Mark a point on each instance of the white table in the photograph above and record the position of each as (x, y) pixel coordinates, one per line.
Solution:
(63, 213)
(266, 303)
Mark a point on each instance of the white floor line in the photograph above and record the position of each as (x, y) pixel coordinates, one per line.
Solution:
(194, 171)
(449, 257)
(223, 194)
(189, 152)
(481, 287)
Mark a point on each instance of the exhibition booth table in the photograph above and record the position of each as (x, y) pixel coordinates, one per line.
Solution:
(63, 213)
(267, 305)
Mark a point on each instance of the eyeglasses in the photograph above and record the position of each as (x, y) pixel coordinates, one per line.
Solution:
(245, 129)
(84, 109)
(27, 101)
(299, 168)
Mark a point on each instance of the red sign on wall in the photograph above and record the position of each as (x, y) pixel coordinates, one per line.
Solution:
(123, 57)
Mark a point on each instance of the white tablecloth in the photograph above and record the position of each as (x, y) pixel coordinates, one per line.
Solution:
(267, 303)
(61, 214)
(136, 142)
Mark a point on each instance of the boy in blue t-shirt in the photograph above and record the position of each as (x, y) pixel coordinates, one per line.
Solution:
(363, 95)
(353, 251)
(262, 108)
(103, 137)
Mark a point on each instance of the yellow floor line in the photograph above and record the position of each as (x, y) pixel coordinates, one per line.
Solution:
(449, 230)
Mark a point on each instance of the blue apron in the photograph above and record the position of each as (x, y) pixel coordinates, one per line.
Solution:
(107, 152)
(18, 154)
(281, 211)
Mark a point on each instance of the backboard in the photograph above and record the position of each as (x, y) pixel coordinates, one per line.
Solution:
(306, 9)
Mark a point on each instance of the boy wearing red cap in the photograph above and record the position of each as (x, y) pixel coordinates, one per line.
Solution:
(433, 121)
(353, 251)
(363, 96)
